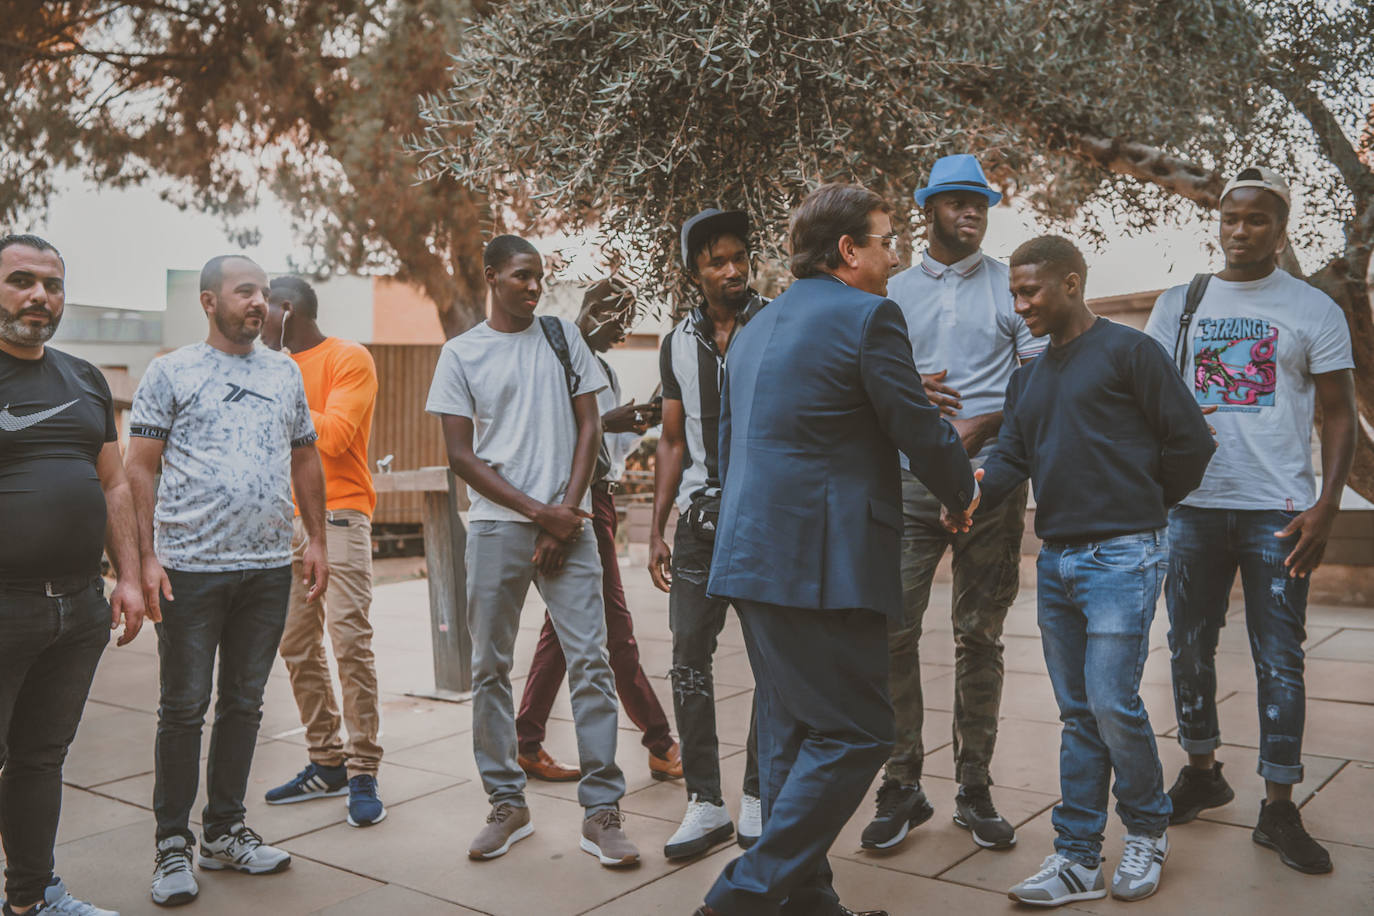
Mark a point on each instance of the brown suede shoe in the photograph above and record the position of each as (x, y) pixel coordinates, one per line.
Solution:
(507, 824)
(542, 766)
(604, 837)
(669, 766)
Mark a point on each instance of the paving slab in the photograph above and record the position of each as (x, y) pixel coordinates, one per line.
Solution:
(274, 763)
(427, 852)
(1212, 868)
(1340, 810)
(937, 844)
(1349, 645)
(113, 869)
(1240, 765)
(1027, 757)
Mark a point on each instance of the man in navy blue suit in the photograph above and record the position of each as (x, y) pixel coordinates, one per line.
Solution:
(820, 396)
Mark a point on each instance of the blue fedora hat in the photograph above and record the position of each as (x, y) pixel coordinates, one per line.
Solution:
(960, 172)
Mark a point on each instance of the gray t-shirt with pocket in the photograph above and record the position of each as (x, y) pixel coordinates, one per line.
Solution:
(229, 423)
(513, 388)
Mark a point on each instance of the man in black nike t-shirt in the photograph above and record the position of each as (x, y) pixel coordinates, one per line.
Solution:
(63, 498)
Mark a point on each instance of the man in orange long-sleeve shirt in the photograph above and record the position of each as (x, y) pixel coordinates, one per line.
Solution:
(341, 387)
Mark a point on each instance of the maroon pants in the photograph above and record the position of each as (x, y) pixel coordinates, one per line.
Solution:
(548, 668)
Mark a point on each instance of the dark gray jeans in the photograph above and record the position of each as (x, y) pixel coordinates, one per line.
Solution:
(49, 648)
(238, 615)
(696, 621)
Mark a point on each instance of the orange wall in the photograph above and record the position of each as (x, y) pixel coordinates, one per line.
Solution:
(402, 314)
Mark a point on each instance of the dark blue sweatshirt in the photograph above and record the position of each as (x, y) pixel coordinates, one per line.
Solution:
(1107, 432)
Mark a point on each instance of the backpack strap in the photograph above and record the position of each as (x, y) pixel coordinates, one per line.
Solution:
(553, 332)
(1197, 288)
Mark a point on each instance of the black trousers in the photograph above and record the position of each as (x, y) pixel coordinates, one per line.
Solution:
(825, 728)
(49, 648)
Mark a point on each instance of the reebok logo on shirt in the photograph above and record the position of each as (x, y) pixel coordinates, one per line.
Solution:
(238, 393)
(12, 424)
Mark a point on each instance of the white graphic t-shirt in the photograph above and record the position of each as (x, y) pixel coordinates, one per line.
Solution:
(1252, 350)
(514, 389)
(229, 422)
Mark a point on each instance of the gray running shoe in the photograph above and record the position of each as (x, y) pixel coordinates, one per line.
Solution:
(603, 835)
(57, 900)
(242, 850)
(1060, 880)
(1137, 874)
(507, 824)
(173, 881)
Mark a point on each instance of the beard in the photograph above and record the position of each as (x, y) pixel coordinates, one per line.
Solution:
(14, 330)
(234, 328)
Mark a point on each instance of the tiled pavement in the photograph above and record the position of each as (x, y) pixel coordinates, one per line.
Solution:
(415, 862)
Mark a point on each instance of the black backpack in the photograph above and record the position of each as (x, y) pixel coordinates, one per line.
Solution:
(553, 333)
(1197, 288)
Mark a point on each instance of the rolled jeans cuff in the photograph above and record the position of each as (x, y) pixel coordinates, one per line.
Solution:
(1279, 773)
(1199, 745)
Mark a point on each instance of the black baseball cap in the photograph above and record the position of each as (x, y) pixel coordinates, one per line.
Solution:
(712, 222)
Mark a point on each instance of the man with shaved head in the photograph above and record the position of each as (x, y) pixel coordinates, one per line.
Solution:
(229, 424)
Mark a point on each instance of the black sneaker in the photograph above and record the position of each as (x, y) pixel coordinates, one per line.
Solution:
(974, 811)
(1280, 827)
(1196, 790)
(899, 809)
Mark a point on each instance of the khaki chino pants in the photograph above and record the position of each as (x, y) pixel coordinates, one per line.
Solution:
(344, 611)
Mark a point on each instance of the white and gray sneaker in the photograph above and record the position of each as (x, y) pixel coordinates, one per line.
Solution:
(173, 881)
(703, 826)
(57, 900)
(242, 850)
(1137, 874)
(1060, 880)
(750, 821)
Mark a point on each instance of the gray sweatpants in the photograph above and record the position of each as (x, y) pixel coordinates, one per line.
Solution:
(500, 570)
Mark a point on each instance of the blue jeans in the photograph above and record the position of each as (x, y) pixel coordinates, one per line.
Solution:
(1096, 604)
(49, 647)
(239, 615)
(1209, 546)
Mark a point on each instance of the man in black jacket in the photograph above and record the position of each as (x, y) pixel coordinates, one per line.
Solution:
(1110, 438)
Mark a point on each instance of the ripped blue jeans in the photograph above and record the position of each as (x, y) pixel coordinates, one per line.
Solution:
(1209, 545)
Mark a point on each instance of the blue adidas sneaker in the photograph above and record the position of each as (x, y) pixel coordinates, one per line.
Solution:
(365, 807)
(314, 781)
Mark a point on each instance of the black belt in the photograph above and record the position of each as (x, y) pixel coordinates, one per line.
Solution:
(609, 487)
(53, 588)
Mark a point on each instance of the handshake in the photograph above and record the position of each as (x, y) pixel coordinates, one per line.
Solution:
(957, 523)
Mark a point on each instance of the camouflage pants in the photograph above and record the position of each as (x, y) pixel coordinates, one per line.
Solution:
(986, 577)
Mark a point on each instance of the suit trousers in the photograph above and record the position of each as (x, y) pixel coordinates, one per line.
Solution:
(825, 727)
(344, 612)
(547, 670)
(500, 572)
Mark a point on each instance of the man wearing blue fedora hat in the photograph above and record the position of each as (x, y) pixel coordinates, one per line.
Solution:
(966, 341)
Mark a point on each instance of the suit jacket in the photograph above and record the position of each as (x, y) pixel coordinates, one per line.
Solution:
(820, 394)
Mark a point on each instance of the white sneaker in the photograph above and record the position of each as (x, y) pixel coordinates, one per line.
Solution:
(750, 820)
(56, 900)
(242, 850)
(1060, 880)
(1142, 860)
(703, 826)
(173, 881)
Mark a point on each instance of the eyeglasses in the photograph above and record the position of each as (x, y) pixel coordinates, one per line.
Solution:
(888, 241)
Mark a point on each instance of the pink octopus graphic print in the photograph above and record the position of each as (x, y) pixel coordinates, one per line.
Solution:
(1234, 363)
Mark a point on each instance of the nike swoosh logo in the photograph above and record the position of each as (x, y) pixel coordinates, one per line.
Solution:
(12, 424)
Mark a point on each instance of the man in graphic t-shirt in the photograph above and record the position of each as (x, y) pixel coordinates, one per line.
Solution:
(230, 425)
(517, 398)
(61, 482)
(1262, 348)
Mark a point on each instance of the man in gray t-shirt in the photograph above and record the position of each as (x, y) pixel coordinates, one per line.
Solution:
(522, 429)
(1261, 349)
(228, 424)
